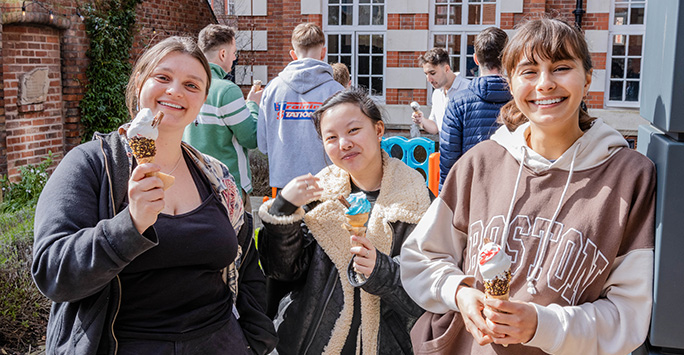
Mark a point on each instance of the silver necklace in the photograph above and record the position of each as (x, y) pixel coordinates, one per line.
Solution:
(177, 164)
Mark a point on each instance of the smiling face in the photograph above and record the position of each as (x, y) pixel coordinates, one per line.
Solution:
(436, 75)
(549, 92)
(351, 139)
(176, 86)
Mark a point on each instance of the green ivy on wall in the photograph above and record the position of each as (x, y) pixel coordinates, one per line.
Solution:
(109, 26)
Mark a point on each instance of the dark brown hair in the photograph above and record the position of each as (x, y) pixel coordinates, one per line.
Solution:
(213, 36)
(434, 56)
(489, 44)
(151, 58)
(543, 39)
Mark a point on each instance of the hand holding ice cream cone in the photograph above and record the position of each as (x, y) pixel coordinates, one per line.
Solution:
(357, 212)
(142, 135)
(495, 268)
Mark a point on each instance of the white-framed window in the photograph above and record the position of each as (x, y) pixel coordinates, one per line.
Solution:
(355, 31)
(454, 24)
(625, 52)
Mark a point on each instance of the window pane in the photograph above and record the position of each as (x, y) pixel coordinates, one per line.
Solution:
(632, 93)
(333, 44)
(363, 81)
(455, 17)
(347, 15)
(470, 47)
(441, 15)
(621, 14)
(637, 15)
(474, 14)
(619, 45)
(333, 16)
(364, 15)
(617, 68)
(456, 64)
(471, 68)
(616, 90)
(377, 86)
(364, 1)
(441, 1)
(634, 68)
(346, 44)
(364, 65)
(376, 66)
(440, 41)
(635, 45)
(347, 1)
(489, 14)
(378, 15)
(333, 1)
(378, 44)
(364, 44)
(347, 60)
(455, 44)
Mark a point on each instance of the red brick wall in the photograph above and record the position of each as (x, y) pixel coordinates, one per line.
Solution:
(159, 19)
(31, 130)
(31, 40)
(3, 145)
(282, 17)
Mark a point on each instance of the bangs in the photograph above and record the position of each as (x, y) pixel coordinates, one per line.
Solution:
(546, 40)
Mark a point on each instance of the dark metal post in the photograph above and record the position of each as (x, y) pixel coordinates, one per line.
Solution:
(579, 12)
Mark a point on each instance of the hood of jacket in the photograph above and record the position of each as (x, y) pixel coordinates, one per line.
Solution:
(594, 147)
(306, 74)
(491, 88)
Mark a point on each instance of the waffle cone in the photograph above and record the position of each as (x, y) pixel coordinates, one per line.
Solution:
(167, 180)
(503, 297)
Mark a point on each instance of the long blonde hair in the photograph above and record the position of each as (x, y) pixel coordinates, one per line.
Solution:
(548, 39)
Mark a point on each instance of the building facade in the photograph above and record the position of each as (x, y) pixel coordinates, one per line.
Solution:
(43, 48)
(380, 40)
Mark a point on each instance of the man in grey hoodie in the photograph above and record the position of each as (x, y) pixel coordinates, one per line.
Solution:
(285, 131)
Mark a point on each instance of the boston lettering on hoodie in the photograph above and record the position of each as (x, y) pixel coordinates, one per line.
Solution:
(579, 231)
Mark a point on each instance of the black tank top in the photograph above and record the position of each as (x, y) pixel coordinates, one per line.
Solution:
(176, 287)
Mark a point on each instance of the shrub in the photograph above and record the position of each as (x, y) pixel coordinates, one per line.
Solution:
(25, 192)
(24, 311)
(258, 162)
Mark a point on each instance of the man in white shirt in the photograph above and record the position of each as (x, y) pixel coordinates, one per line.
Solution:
(446, 83)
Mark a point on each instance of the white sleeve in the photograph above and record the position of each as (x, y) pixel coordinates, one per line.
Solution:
(262, 136)
(616, 323)
(431, 260)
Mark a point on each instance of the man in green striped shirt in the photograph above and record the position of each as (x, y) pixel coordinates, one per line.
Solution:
(227, 124)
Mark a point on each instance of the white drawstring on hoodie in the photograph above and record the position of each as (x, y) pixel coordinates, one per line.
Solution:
(544, 238)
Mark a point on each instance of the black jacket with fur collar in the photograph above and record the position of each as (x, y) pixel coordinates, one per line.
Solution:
(310, 249)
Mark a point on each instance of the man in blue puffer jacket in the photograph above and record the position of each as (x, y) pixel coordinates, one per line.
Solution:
(471, 115)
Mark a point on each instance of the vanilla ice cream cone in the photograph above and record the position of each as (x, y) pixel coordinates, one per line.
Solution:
(142, 136)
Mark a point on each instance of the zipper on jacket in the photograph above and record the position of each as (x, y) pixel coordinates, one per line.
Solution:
(116, 313)
(318, 324)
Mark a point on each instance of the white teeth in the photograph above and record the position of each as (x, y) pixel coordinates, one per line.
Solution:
(548, 102)
(171, 105)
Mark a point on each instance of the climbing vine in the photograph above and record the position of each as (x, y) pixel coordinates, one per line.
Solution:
(109, 25)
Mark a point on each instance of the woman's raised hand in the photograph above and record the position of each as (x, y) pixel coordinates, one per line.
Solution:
(515, 319)
(365, 252)
(470, 303)
(145, 196)
(302, 190)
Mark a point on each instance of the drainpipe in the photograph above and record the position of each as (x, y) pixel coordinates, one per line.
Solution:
(579, 12)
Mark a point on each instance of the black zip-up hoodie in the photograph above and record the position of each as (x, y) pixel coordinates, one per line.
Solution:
(84, 237)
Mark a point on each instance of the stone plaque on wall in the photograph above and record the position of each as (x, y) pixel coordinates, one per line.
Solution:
(33, 87)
